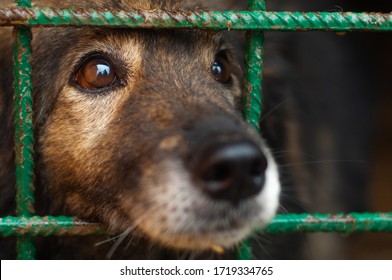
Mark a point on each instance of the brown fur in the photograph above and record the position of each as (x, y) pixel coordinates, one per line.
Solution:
(106, 157)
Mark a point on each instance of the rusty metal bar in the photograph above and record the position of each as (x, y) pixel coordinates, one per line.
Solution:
(252, 101)
(47, 226)
(26, 225)
(286, 223)
(342, 223)
(24, 135)
(242, 20)
(23, 116)
(253, 74)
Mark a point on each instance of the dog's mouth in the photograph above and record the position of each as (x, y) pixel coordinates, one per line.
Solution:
(209, 185)
(205, 227)
(182, 215)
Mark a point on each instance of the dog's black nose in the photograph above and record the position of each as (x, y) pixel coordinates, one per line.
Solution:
(232, 172)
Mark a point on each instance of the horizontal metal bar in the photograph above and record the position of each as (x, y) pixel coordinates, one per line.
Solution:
(287, 223)
(341, 223)
(242, 20)
(46, 226)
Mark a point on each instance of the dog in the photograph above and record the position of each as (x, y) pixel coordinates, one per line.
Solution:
(154, 148)
(140, 130)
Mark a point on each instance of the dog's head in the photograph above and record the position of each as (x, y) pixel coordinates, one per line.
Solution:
(141, 129)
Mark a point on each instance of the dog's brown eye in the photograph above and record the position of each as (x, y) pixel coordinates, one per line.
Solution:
(96, 73)
(221, 69)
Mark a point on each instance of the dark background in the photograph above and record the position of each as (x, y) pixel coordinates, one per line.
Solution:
(363, 60)
(343, 80)
(374, 51)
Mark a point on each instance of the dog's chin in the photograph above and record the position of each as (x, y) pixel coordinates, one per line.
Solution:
(213, 236)
(216, 241)
(179, 215)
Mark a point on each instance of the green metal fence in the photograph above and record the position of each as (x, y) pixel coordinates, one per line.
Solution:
(256, 20)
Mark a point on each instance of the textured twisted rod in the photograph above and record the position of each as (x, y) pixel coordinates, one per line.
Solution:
(23, 113)
(242, 20)
(343, 223)
(47, 226)
(253, 74)
(252, 101)
(24, 139)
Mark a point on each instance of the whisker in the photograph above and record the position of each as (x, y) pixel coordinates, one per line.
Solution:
(184, 255)
(120, 239)
(108, 240)
(284, 209)
(192, 255)
(123, 235)
(291, 200)
(284, 152)
(274, 109)
(130, 241)
(322, 162)
(260, 240)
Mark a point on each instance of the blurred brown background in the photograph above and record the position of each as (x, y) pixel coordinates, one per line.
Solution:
(377, 49)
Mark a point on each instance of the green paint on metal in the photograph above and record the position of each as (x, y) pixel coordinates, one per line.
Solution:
(26, 226)
(24, 136)
(253, 78)
(256, 5)
(24, 3)
(47, 226)
(253, 74)
(342, 223)
(23, 115)
(285, 223)
(25, 248)
(244, 252)
(251, 111)
(241, 20)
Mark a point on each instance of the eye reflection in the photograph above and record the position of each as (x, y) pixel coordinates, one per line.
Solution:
(96, 73)
(103, 69)
(221, 69)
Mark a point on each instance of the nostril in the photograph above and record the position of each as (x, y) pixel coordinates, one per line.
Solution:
(217, 176)
(257, 169)
(232, 172)
(217, 172)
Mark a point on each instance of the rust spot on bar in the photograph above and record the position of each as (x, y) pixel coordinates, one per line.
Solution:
(15, 15)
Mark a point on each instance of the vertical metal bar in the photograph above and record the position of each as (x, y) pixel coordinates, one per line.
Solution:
(252, 92)
(253, 74)
(24, 139)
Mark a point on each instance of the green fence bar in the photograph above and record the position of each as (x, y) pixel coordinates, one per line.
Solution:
(23, 122)
(342, 223)
(253, 74)
(256, 20)
(285, 223)
(24, 134)
(242, 20)
(251, 110)
(47, 226)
